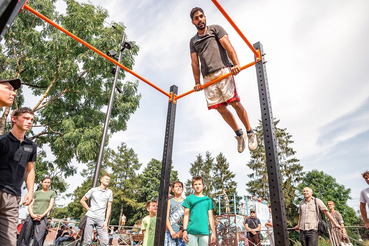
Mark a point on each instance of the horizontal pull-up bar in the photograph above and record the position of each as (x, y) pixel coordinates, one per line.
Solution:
(257, 55)
(94, 49)
(214, 81)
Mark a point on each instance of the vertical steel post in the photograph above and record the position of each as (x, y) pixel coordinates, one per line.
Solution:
(219, 205)
(165, 171)
(234, 203)
(271, 154)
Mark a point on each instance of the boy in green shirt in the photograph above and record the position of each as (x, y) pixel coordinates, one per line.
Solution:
(198, 214)
(149, 223)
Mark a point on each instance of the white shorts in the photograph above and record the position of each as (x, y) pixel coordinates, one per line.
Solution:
(222, 92)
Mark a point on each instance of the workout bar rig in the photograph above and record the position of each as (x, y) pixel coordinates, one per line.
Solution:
(270, 142)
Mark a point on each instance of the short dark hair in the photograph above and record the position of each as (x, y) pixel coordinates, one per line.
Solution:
(365, 174)
(148, 204)
(45, 178)
(177, 182)
(21, 111)
(194, 10)
(197, 178)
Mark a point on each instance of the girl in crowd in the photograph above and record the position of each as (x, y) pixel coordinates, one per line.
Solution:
(43, 201)
(337, 235)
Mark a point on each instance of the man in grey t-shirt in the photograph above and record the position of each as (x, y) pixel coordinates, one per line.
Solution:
(212, 48)
(101, 200)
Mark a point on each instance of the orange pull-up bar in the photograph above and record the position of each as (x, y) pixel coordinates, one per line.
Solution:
(94, 49)
(214, 81)
(257, 55)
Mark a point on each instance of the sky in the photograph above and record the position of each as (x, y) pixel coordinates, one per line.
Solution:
(317, 57)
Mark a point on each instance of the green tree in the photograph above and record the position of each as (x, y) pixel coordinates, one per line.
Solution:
(204, 169)
(150, 180)
(70, 84)
(330, 190)
(194, 171)
(123, 165)
(290, 170)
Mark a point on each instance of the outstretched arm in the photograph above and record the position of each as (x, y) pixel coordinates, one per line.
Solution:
(108, 211)
(364, 214)
(224, 41)
(83, 202)
(332, 219)
(196, 71)
(186, 219)
(30, 181)
(212, 226)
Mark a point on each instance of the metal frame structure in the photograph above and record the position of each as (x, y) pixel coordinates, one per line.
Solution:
(274, 177)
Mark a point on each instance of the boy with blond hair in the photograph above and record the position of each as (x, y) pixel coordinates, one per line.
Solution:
(198, 214)
(149, 223)
(175, 213)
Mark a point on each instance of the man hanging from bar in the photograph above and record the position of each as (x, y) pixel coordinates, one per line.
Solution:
(218, 57)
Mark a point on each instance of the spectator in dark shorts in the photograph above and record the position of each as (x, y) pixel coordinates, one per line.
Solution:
(7, 91)
(253, 227)
(17, 163)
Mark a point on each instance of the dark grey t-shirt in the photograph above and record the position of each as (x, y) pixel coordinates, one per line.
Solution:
(211, 53)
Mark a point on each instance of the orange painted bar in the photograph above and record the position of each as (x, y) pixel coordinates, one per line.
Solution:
(94, 49)
(236, 28)
(214, 81)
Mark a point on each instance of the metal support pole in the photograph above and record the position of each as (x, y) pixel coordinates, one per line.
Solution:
(107, 119)
(271, 154)
(234, 203)
(219, 205)
(161, 216)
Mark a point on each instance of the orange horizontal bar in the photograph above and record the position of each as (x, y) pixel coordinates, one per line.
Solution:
(214, 81)
(93, 48)
(257, 55)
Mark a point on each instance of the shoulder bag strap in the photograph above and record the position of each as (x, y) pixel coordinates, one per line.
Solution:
(317, 210)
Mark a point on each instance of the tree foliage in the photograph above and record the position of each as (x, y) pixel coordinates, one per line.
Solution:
(290, 170)
(327, 189)
(70, 84)
(216, 175)
(204, 169)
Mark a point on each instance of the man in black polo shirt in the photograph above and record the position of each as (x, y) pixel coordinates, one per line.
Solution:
(17, 162)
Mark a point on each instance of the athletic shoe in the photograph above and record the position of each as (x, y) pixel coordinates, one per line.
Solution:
(241, 143)
(253, 142)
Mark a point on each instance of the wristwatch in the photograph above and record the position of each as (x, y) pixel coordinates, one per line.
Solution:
(184, 230)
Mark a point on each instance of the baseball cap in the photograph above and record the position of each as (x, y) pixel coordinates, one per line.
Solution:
(16, 83)
(252, 210)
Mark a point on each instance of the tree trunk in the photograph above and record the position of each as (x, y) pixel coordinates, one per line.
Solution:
(3, 120)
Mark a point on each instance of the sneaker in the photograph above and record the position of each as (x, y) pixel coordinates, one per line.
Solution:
(253, 142)
(241, 143)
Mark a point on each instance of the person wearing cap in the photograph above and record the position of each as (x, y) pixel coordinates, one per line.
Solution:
(7, 91)
(253, 227)
(17, 163)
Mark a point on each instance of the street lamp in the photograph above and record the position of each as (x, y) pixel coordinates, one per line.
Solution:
(112, 54)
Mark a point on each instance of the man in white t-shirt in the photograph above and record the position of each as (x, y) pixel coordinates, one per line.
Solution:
(364, 199)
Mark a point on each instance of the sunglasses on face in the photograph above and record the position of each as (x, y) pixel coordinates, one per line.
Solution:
(252, 212)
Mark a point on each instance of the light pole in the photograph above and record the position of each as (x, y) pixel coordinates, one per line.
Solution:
(123, 45)
(111, 53)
